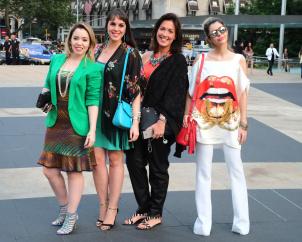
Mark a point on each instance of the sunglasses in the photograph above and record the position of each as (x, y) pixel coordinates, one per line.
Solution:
(220, 30)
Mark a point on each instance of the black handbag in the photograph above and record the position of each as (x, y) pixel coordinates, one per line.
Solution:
(150, 116)
(43, 99)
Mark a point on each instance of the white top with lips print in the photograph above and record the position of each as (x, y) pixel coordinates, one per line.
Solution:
(216, 109)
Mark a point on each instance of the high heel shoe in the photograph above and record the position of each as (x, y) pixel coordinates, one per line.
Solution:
(69, 224)
(61, 217)
(105, 227)
(99, 221)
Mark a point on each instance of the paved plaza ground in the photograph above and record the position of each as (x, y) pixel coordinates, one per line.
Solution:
(272, 163)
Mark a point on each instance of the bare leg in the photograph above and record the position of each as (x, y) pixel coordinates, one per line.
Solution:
(57, 183)
(116, 178)
(75, 190)
(100, 177)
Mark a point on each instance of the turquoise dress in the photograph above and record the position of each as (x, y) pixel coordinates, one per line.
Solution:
(108, 136)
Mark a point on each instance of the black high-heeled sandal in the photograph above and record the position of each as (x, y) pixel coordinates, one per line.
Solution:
(99, 222)
(145, 225)
(106, 227)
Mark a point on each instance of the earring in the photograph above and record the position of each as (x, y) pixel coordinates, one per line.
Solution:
(124, 38)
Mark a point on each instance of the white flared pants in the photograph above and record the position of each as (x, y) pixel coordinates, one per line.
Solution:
(233, 161)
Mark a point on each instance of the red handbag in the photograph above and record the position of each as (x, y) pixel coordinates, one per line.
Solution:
(187, 135)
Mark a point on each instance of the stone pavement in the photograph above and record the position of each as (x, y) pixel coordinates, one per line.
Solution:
(272, 163)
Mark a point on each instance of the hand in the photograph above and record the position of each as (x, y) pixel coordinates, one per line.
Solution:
(90, 139)
(185, 120)
(134, 132)
(242, 135)
(47, 107)
(158, 129)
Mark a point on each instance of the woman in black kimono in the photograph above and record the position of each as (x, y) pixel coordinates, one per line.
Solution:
(110, 140)
(165, 72)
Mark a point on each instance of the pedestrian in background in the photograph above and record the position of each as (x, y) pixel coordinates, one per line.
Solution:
(271, 54)
(74, 82)
(238, 47)
(249, 53)
(15, 49)
(285, 60)
(300, 57)
(165, 74)
(220, 112)
(112, 141)
(7, 47)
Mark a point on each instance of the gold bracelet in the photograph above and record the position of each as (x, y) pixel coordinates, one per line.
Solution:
(244, 126)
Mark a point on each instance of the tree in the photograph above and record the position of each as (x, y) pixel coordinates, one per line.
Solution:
(262, 37)
(47, 13)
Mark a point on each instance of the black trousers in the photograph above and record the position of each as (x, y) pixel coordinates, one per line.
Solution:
(150, 202)
(7, 58)
(15, 57)
(270, 67)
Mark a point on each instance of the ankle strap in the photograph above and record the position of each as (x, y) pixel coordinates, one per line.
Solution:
(112, 208)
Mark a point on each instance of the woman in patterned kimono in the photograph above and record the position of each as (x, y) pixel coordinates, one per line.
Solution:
(110, 140)
(74, 81)
(220, 112)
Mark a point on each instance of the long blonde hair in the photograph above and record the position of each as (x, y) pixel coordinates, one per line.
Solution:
(92, 39)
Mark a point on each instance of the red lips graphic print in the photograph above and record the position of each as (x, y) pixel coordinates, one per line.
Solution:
(217, 103)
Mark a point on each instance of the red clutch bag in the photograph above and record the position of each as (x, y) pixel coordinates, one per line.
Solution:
(187, 135)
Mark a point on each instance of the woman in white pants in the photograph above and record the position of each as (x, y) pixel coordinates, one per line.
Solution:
(221, 117)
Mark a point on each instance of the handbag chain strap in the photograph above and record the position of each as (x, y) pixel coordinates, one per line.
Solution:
(196, 83)
(123, 75)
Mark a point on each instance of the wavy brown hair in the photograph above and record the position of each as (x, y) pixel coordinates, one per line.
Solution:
(177, 43)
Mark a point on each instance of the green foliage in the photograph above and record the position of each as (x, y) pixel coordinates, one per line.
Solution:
(48, 14)
(261, 38)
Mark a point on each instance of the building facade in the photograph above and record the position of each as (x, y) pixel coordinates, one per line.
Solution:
(95, 12)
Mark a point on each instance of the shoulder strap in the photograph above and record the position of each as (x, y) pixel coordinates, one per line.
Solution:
(123, 75)
(196, 83)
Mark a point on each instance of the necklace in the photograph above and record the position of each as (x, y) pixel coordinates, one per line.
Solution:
(154, 61)
(63, 94)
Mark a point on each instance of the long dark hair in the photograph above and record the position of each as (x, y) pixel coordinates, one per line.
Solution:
(177, 43)
(119, 13)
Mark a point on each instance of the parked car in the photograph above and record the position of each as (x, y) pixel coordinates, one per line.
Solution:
(36, 52)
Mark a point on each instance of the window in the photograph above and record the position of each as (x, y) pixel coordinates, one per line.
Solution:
(146, 4)
(133, 5)
(192, 7)
(227, 4)
(124, 5)
(106, 6)
(114, 4)
(214, 7)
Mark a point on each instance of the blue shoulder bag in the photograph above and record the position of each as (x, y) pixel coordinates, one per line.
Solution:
(123, 114)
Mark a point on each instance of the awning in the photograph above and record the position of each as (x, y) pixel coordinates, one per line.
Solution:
(133, 5)
(146, 4)
(124, 4)
(214, 6)
(192, 5)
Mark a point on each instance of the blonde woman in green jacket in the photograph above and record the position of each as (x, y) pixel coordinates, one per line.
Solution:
(74, 81)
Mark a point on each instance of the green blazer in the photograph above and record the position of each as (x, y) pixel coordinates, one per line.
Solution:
(84, 91)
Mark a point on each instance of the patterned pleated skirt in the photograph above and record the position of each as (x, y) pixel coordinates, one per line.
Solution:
(63, 147)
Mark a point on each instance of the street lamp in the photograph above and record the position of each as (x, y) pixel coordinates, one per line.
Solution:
(281, 35)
